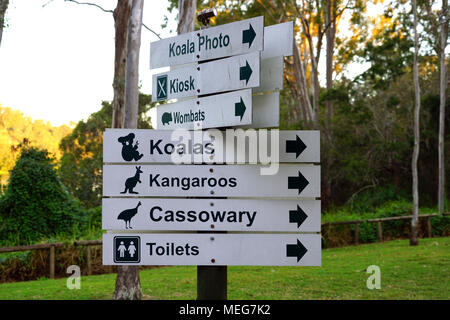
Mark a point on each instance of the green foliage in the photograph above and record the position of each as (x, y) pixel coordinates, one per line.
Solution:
(95, 218)
(374, 198)
(81, 162)
(359, 210)
(36, 204)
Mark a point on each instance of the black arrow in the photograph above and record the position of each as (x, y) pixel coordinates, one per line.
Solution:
(245, 72)
(298, 216)
(239, 109)
(248, 36)
(299, 182)
(296, 146)
(296, 250)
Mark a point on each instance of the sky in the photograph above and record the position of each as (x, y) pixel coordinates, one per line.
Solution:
(57, 57)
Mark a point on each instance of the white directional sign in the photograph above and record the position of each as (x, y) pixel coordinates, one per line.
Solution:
(239, 72)
(221, 110)
(266, 111)
(262, 112)
(217, 42)
(235, 146)
(211, 214)
(290, 181)
(271, 75)
(212, 249)
(278, 40)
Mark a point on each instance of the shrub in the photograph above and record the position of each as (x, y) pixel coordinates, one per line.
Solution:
(36, 204)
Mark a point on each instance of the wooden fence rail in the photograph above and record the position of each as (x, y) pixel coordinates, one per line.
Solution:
(379, 222)
(52, 256)
(88, 243)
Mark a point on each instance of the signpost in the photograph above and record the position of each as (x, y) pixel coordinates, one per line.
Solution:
(211, 214)
(232, 74)
(212, 249)
(239, 72)
(221, 110)
(157, 146)
(217, 42)
(291, 181)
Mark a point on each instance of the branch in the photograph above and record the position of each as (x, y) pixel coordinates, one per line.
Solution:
(156, 34)
(91, 4)
(104, 10)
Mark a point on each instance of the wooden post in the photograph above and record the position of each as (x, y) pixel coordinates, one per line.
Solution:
(380, 231)
(52, 262)
(356, 233)
(430, 234)
(211, 280)
(212, 283)
(88, 258)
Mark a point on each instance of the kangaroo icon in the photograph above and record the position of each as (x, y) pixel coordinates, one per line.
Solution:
(127, 215)
(129, 151)
(131, 182)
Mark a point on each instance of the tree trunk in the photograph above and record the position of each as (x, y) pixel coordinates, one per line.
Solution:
(415, 216)
(132, 65)
(3, 7)
(443, 89)
(316, 88)
(121, 18)
(128, 285)
(186, 16)
(301, 89)
(330, 34)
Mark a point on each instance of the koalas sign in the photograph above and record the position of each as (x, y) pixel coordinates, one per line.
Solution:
(135, 146)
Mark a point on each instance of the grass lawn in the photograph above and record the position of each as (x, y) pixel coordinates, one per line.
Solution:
(420, 272)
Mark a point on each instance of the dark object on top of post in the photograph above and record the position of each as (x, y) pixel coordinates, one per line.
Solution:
(205, 15)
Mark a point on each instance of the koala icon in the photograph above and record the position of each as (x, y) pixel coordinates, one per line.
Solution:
(129, 151)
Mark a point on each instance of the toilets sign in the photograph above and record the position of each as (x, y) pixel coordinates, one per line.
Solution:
(212, 249)
(217, 42)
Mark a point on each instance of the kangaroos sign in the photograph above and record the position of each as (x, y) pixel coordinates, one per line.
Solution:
(217, 42)
(291, 181)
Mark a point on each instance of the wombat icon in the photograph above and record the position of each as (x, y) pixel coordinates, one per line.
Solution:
(166, 118)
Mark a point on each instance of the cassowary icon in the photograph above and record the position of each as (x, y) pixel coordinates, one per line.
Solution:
(127, 215)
